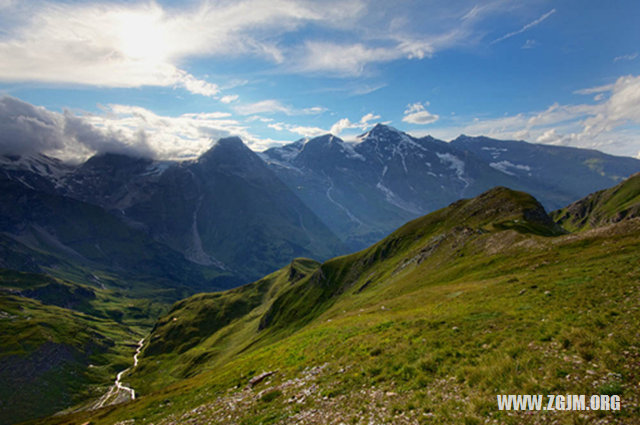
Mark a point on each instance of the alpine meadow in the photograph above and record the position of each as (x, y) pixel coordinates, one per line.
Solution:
(251, 212)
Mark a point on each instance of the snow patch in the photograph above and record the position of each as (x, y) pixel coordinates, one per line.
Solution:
(351, 153)
(394, 199)
(339, 205)
(503, 166)
(494, 152)
(456, 164)
(282, 164)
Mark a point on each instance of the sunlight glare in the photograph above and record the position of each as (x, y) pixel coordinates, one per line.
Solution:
(142, 37)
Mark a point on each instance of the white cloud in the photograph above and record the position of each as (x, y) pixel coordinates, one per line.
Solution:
(472, 14)
(272, 106)
(307, 131)
(346, 59)
(278, 126)
(111, 46)
(417, 113)
(126, 44)
(611, 124)
(529, 44)
(229, 98)
(337, 128)
(629, 57)
(549, 136)
(268, 106)
(526, 27)
(133, 45)
(369, 117)
(132, 130)
(345, 124)
(594, 90)
(258, 118)
(340, 125)
(352, 58)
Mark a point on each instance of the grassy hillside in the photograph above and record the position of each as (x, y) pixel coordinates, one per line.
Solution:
(87, 288)
(62, 343)
(606, 206)
(485, 297)
(52, 356)
(204, 331)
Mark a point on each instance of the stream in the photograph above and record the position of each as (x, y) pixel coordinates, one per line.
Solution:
(119, 393)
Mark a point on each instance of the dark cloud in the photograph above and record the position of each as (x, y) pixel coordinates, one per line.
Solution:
(27, 129)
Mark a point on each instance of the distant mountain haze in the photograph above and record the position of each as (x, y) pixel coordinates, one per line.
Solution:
(246, 214)
(364, 190)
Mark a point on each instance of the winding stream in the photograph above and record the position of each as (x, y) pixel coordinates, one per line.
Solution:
(117, 390)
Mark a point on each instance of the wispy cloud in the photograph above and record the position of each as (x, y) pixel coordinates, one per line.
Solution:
(306, 131)
(344, 59)
(629, 57)
(133, 45)
(345, 124)
(595, 90)
(272, 106)
(612, 124)
(417, 113)
(526, 27)
(124, 44)
(365, 122)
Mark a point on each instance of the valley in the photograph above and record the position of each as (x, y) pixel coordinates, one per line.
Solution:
(338, 212)
(97, 255)
(487, 296)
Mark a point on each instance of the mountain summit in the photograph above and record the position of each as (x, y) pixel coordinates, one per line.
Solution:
(363, 190)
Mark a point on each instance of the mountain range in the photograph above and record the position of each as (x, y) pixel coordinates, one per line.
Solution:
(364, 190)
(489, 295)
(93, 253)
(240, 214)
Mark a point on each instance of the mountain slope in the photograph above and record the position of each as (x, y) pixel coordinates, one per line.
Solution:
(225, 209)
(66, 330)
(79, 240)
(60, 343)
(364, 190)
(228, 210)
(204, 331)
(484, 297)
(557, 175)
(621, 202)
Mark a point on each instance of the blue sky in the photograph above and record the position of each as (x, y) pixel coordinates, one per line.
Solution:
(166, 78)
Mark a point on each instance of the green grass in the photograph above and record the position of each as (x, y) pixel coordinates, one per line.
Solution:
(427, 326)
(62, 343)
(53, 358)
(606, 206)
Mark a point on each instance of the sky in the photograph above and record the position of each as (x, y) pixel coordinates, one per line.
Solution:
(165, 78)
